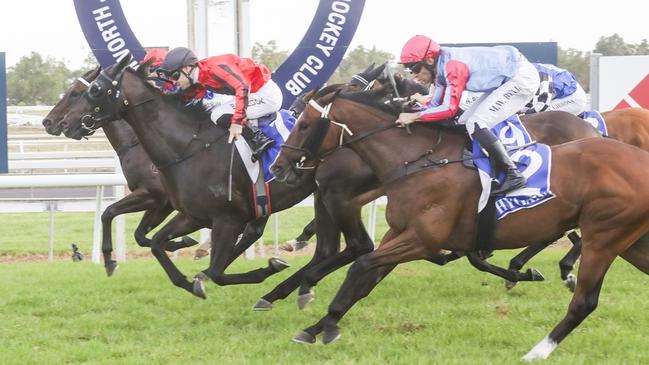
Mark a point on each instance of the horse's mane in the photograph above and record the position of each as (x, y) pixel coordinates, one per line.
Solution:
(372, 98)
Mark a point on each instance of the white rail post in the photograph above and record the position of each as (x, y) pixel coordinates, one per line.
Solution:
(50, 249)
(96, 236)
(371, 219)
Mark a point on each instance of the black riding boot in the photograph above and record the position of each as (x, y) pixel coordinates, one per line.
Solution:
(257, 141)
(497, 153)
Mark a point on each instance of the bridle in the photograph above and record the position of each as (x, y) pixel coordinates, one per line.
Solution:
(310, 151)
(103, 95)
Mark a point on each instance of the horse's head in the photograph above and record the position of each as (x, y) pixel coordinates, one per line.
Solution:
(102, 102)
(56, 121)
(306, 138)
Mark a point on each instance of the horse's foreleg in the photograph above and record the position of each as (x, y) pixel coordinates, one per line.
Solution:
(347, 216)
(591, 276)
(224, 236)
(362, 277)
(150, 219)
(253, 231)
(176, 227)
(136, 201)
(327, 245)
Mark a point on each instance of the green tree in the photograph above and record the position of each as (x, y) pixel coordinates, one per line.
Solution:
(268, 54)
(577, 62)
(35, 81)
(357, 60)
(642, 48)
(613, 46)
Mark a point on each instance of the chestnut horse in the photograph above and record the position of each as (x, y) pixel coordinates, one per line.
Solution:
(436, 208)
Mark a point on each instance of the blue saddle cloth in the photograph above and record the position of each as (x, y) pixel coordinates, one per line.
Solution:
(596, 120)
(533, 161)
(277, 127)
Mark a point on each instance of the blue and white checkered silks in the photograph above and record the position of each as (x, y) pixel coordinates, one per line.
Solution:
(534, 161)
(594, 118)
(278, 129)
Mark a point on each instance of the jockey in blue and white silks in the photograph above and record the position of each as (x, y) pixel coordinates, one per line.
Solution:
(504, 76)
(559, 90)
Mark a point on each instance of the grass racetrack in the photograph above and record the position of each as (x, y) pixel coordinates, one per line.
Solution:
(72, 313)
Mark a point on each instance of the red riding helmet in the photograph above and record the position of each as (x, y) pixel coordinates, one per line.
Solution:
(419, 48)
(157, 54)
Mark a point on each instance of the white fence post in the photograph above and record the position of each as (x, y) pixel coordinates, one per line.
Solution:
(276, 233)
(50, 248)
(96, 234)
(120, 221)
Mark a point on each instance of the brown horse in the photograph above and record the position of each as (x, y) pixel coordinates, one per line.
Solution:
(436, 208)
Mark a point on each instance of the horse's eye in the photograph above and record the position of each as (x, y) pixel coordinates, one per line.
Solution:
(74, 94)
(303, 125)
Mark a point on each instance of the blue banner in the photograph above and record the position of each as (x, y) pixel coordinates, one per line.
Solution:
(322, 48)
(107, 31)
(309, 66)
(4, 163)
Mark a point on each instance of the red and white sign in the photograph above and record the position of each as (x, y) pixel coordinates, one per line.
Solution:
(623, 82)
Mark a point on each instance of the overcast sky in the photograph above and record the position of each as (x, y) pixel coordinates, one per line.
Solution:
(50, 27)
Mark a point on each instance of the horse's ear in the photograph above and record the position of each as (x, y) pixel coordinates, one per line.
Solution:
(124, 61)
(372, 75)
(369, 69)
(145, 67)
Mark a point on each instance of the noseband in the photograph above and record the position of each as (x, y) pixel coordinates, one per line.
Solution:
(103, 95)
(310, 150)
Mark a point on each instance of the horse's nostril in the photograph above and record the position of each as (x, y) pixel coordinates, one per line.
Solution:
(47, 122)
(64, 124)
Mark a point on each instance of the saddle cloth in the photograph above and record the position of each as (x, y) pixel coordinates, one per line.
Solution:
(594, 118)
(533, 161)
(277, 127)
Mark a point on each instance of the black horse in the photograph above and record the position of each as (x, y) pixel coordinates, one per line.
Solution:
(148, 193)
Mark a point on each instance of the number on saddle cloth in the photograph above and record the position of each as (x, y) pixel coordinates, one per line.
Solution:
(533, 161)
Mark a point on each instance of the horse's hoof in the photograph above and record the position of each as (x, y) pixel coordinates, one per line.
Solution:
(287, 246)
(188, 241)
(200, 253)
(304, 338)
(304, 299)
(262, 305)
(198, 288)
(278, 264)
(509, 285)
(536, 275)
(329, 336)
(300, 245)
(110, 267)
(571, 282)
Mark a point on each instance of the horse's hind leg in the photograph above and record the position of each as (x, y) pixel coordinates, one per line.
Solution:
(567, 263)
(302, 240)
(638, 254)
(509, 275)
(591, 276)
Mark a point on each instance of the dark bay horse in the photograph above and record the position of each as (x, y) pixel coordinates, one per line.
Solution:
(194, 163)
(147, 194)
(435, 209)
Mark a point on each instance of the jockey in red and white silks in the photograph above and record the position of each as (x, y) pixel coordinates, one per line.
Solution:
(502, 73)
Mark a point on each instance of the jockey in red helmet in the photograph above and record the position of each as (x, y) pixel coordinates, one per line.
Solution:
(254, 93)
(157, 54)
(505, 76)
